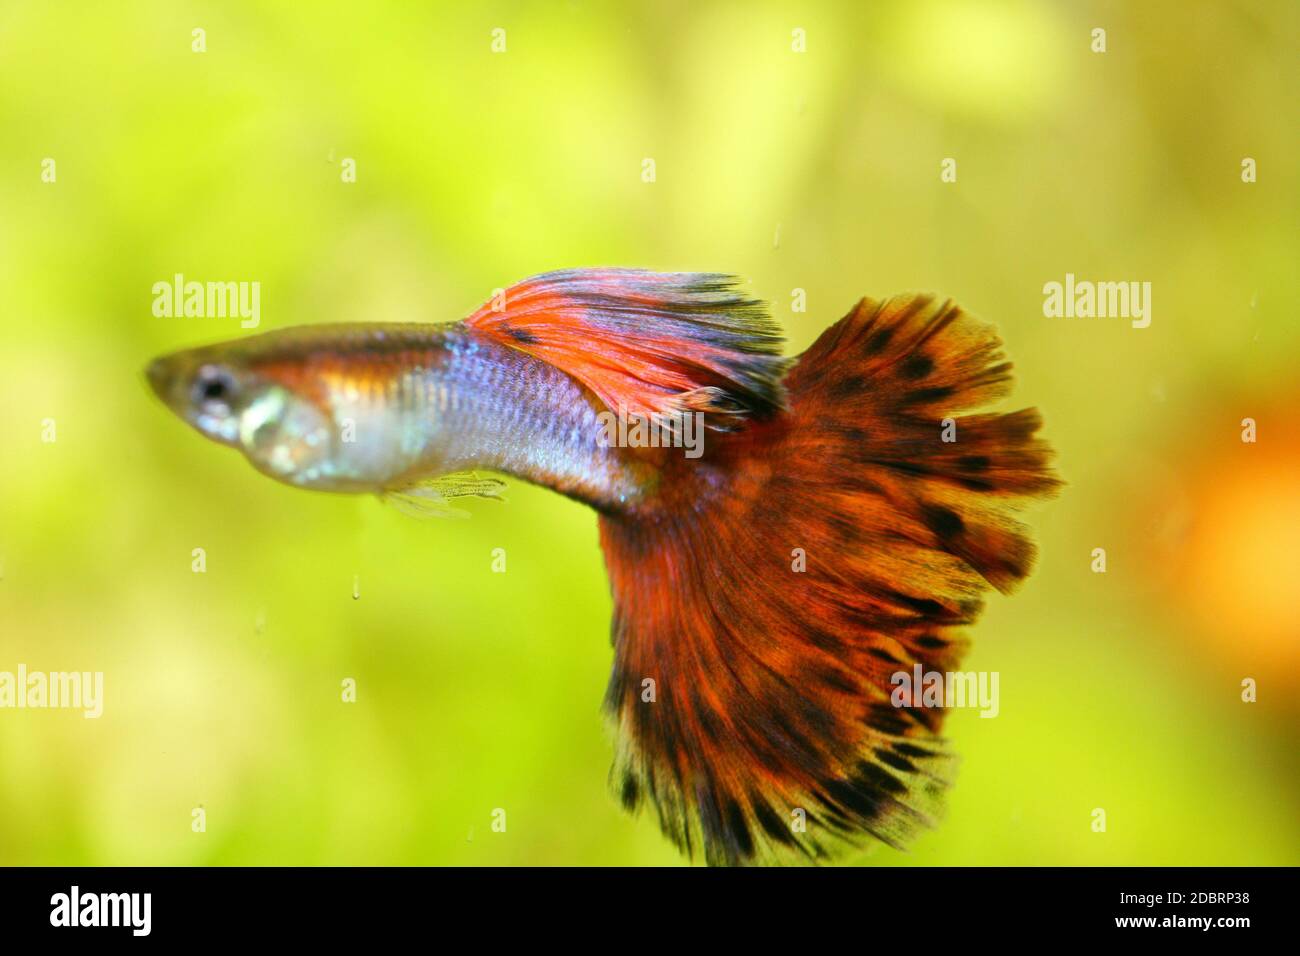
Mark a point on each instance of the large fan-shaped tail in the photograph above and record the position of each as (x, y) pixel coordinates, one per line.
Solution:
(762, 609)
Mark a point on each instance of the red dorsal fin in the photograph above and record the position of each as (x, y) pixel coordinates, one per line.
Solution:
(647, 343)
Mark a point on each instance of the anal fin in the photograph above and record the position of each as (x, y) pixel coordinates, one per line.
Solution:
(432, 497)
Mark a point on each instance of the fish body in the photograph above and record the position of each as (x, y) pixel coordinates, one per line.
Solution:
(384, 408)
(838, 527)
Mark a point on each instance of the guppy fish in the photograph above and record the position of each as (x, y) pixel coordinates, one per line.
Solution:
(837, 529)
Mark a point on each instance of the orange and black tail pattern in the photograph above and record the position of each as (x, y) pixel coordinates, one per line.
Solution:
(762, 608)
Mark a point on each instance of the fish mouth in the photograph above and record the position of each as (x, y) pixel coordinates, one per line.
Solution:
(156, 373)
(159, 375)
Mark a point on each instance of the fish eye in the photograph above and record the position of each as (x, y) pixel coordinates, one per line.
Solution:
(213, 388)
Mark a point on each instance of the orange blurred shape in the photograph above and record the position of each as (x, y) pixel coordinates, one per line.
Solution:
(1232, 548)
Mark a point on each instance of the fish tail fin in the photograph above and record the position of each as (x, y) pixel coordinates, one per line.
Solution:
(763, 617)
(892, 378)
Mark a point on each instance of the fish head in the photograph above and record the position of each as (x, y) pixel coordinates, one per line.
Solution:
(233, 397)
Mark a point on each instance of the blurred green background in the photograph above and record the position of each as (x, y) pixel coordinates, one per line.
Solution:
(816, 170)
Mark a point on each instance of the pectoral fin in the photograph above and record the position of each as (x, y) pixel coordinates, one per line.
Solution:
(432, 497)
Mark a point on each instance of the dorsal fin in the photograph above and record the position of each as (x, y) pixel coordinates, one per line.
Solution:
(647, 343)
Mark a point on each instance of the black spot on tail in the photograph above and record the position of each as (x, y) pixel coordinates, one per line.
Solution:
(922, 396)
(883, 655)
(849, 386)
(877, 341)
(738, 829)
(896, 760)
(772, 823)
(912, 750)
(917, 366)
(631, 792)
(926, 607)
(944, 522)
(886, 719)
(877, 778)
(833, 677)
